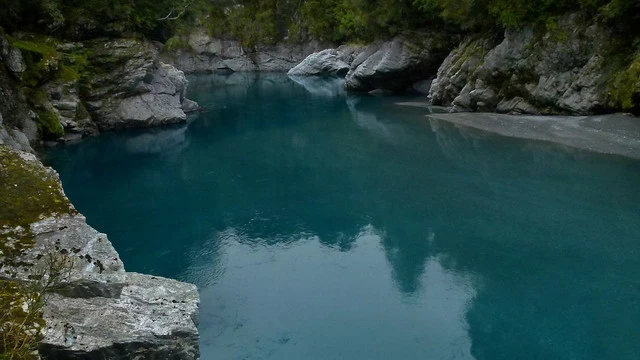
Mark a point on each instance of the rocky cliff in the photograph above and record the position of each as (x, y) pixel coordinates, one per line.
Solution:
(197, 52)
(573, 68)
(69, 90)
(91, 307)
(62, 284)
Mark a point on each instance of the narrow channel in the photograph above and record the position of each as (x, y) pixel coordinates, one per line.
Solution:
(324, 225)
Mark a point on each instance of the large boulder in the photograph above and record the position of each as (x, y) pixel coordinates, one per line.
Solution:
(397, 64)
(325, 62)
(559, 71)
(153, 318)
(131, 88)
(334, 62)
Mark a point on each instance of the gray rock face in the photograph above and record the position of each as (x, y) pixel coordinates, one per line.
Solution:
(207, 54)
(132, 88)
(325, 62)
(560, 71)
(14, 138)
(12, 58)
(98, 310)
(397, 64)
(153, 318)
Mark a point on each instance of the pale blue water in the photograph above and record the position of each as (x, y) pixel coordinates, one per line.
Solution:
(321, 226)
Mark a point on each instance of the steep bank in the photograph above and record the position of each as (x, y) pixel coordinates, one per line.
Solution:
(62, 284)
(92, 308)
(198, 52)
(62, 91)
(575, 67)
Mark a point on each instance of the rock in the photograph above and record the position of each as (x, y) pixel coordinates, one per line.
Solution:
(132, 88)
(422, 86)
(517, 105)
(189, 106)
(560, 71)
(325, 62)
(12, 58)
(457, 68)
(153, 318)
(396, 64)
(203, 53)
(96, 309)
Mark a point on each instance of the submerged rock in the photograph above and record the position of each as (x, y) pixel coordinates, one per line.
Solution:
(397, 64)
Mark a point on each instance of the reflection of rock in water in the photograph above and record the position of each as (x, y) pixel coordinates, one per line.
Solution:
(369, 121)
(321, 86)
(163, 141)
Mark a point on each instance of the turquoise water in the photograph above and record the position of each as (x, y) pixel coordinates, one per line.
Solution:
(324, 226)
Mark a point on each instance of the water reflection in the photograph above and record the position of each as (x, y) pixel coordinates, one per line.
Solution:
(349, 227)
(329, 87)
(332, 300)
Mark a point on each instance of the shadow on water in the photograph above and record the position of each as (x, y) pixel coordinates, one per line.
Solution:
(324, 225)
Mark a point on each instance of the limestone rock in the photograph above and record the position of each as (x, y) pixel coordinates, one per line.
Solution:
(132, 88)
(325, 62)
(12, 58)
(153, 318)
(395, 65)
(206, 54)
(554, 72)
(96, 309)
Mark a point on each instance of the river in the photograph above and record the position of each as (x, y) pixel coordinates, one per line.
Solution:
(322, 225)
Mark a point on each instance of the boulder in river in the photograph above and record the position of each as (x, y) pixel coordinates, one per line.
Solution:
(397, 64)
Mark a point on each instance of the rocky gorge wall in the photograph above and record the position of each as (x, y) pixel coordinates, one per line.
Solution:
(60, 92)
(197, 52)
(575, 68)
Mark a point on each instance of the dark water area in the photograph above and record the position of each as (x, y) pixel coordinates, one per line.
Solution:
(320, 225)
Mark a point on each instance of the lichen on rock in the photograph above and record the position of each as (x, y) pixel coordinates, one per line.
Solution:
(99, 310)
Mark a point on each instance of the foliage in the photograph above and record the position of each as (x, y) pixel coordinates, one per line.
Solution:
(22, 305)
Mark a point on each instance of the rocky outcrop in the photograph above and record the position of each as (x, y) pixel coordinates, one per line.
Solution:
(397, 64)
(96, 310)
(564, 70)
(131, 88)
(201, 53)
(328, 62)
(78, 89)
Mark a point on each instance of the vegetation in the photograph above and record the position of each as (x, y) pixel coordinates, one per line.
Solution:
(267, 21)
(29, 193)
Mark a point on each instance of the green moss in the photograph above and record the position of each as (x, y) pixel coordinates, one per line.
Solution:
(40, 56)
(49, 125)
(30, 192)
(176, 42)
(624, 88)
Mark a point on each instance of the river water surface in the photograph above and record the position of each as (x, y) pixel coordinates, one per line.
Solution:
(324, 226)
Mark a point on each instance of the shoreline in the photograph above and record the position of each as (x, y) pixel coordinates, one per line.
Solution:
(613, 134)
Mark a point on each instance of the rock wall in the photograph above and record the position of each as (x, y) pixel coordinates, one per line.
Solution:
(561, 71)
(397, 64)
(72, 90)
(98, 310)
(200, 53)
